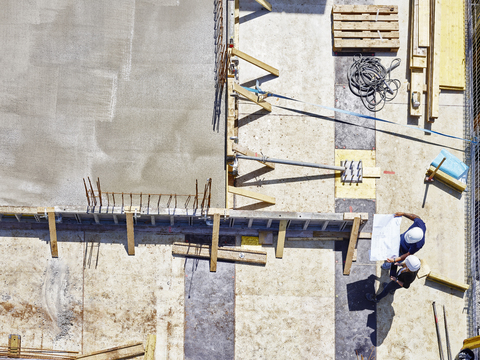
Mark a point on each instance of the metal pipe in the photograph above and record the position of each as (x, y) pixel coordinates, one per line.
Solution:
(439, 339)
(291, 162)
(449, 350)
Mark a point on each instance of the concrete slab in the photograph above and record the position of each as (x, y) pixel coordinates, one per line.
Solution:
(284, 310)
(124, 91)
(79, 303)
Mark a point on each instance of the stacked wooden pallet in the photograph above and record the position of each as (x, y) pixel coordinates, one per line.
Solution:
(365, 28)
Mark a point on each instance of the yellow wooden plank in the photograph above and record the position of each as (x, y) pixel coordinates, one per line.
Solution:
(363, 25)
(452, 51)
(243, 150)
(251, 96)
(370, 44)
(251, 195)
(350, 216)
(150, 347)
(363, 190)
(418, 62)
(255, 62)
(366, 34)
(434, 72)
(214, 250)
(265, 4)
(351, 246)
(447, 179)
(372, 172)
(53, 234)
(423, 23)
(364, 17)
(282, 229)
(448, 282)
(366, 9)
(130, 234)
(230, 254)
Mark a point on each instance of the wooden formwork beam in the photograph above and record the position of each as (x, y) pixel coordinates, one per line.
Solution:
(265, 4)
(255, 62)
(214, 250)
(50, 213)
(282, 229)
(250, 96)
(247, 152)
(351, 245)
(130, 234)
(251, 195)
(150, 347)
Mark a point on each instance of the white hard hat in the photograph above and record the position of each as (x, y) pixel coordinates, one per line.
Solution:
(414, 235)
(412, 262)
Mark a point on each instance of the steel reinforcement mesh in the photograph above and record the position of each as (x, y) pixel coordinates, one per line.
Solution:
(472, 158)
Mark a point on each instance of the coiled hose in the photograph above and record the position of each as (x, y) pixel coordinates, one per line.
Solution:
(370, 80)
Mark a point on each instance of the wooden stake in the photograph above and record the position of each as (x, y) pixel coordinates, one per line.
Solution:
(351, 246)
(251, 194)
(215, 233)
(282, 229)
(53, 232)
(252, 97)
(255, 62)
(435, 171)
(130, 234)
(150, 348)
(265, 4)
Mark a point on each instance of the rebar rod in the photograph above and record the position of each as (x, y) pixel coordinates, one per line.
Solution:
(291, 162)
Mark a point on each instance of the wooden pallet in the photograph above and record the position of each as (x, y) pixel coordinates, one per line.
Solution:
(365, 28)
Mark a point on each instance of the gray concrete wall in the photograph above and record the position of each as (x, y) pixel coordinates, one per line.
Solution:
(121, 90)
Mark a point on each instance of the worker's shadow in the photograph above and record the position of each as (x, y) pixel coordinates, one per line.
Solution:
(384, 311)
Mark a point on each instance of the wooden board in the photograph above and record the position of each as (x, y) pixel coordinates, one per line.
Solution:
(372, 172)
(417, 82)
(362, 27)
(452, 48)
(252, 97)
(434, 62)
(281, 238)
(243, 150)
(265, 4)
(255, 62)
(116, 353)
(447, 179)
(351, 246)
(230, 254)
(215, 232)
(150, 347)
(53, 232)
(448, 282)
(363, 190)
(130, 234)
(423, 23)
(251, 194)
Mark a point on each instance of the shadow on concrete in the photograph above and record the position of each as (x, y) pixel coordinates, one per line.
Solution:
(356, 294)
(253, 15)
(286, 6)
(386, 313)
(444, 288)
(456, 194)
(251, 117)
(406, 137)
(261, 80)
(261, 182)
(256, 206)
(241, 180)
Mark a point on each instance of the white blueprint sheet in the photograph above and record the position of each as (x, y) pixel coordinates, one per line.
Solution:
(385, 237)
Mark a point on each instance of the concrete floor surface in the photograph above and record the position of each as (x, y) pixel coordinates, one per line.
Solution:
(121, 90)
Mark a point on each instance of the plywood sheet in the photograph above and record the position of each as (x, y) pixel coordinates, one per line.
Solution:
(364, 190)
(452, 40)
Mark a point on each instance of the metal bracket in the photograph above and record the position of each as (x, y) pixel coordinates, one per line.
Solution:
(353, 172)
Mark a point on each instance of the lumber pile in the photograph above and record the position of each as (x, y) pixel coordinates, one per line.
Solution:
(365, 28)
(425, 31)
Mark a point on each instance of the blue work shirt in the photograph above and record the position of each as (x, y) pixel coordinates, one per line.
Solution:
(413, 248)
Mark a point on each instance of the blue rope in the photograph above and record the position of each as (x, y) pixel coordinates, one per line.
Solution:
(269, 94)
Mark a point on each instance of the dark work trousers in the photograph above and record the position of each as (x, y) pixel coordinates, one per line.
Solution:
(392, 285)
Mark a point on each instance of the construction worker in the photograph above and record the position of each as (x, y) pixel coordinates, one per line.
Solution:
(401, 278)
(411, 240)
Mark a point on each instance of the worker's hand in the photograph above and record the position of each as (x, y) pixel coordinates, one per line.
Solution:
(393, 278)
(390, 260)
(398, 264)
(397, 214)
